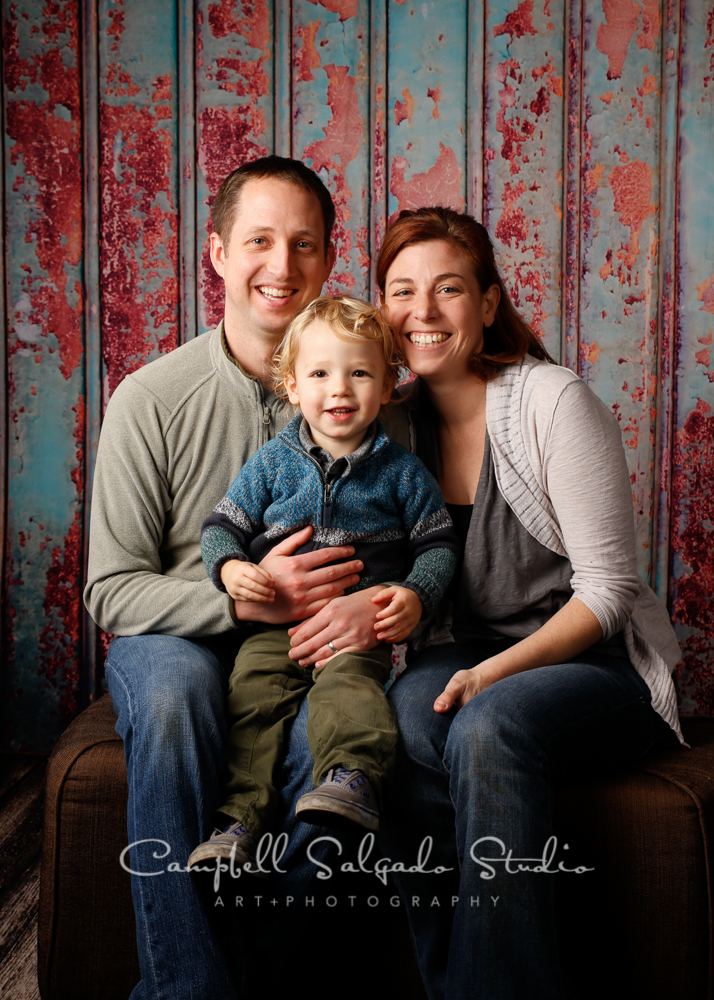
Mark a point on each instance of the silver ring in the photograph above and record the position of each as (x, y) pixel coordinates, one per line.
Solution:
(333, 647)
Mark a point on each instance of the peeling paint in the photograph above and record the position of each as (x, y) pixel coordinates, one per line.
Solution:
(614, 36)
(441, 185)
(345, 8)
(632, 186)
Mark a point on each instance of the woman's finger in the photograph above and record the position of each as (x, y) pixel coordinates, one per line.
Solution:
(452, 693)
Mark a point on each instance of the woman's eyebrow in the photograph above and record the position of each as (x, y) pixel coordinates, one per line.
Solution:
(439, 277)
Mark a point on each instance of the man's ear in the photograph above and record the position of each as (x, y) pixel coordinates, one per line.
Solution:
(218, 254)
(291, 387)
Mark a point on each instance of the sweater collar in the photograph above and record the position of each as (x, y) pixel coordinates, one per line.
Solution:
(297, 436)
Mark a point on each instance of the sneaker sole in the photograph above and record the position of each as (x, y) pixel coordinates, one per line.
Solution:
(209, 852)
(322, 810)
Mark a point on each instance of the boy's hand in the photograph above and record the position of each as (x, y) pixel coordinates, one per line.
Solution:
(398, 618)
(247, 582)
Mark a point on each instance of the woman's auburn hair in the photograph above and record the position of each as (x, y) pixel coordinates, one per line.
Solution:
(509, 338)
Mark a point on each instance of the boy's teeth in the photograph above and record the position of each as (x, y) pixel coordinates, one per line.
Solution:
(275, 293)
(427, 338)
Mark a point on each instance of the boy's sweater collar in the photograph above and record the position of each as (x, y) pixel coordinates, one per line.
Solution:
(297, 436)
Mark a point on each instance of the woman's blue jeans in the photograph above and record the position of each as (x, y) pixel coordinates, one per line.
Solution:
(169, 696)
(487, 771)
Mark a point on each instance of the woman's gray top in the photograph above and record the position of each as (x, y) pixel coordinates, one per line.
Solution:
(508, 584)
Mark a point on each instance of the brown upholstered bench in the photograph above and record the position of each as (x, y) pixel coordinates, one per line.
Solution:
(639, 925)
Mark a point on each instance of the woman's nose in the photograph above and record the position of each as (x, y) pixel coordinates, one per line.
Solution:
(425, 306)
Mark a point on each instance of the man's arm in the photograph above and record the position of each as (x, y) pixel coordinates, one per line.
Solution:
(127, 591)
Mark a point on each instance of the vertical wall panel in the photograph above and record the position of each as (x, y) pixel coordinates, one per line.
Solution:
(523, 150)
(139, 184)
(330, 124)
(42, 609)
(235, 105)
(426, 104)
(619, 226)
(693, 446)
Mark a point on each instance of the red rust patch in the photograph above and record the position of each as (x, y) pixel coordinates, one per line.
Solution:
(435, 96)
(705, 294)
(613, 36)
(404, 108)
(225, 144)
(335, 152)
(307, 58)
(632, 185)
(518, 23)
(693, 507)
(651, 24)
(513, 224)
(345, 8)
(440, 185)
(49, 148)
(140, 238)
(254, 26)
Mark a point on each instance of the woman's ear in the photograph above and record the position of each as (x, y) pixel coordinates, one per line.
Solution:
(489, 304)
(291, 389)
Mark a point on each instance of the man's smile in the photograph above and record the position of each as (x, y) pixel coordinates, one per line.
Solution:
(271, 292)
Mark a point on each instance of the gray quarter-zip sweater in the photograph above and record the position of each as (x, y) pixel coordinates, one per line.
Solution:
(175, 435)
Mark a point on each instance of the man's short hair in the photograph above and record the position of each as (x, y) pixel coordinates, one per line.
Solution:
(225, 206)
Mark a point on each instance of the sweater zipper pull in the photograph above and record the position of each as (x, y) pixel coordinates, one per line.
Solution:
(266, 423)
(327, 506)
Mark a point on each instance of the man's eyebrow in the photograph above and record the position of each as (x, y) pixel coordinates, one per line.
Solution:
(253, 230)
(439, 277)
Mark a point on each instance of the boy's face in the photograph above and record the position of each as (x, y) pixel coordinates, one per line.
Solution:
(339, 385)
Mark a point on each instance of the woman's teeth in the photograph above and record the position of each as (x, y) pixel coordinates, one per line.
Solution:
(275, 293)
(423, 339)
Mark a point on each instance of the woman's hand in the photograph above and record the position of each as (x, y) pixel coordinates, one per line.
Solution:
(400, 616)
(463, 686)
(245, 581)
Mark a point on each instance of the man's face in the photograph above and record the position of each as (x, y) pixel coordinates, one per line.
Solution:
(275, 262)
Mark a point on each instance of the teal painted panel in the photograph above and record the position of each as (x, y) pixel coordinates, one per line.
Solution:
(42, 610)
(138, 95)
(692, 551)
(619, 225)
(330, 125)
(523, 156)
(426, 102)
(235, 96)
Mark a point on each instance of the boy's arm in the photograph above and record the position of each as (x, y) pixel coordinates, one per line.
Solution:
(433, 543)
(228, 530)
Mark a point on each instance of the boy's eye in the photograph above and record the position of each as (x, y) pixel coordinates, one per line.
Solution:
(318, 374)
(359, 373)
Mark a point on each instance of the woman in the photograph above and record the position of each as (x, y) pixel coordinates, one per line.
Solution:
(553, 657)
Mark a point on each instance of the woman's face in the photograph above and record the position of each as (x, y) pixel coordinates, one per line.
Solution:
(437, 308)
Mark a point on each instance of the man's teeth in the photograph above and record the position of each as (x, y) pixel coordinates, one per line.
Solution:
(428, 338)
(275, 293)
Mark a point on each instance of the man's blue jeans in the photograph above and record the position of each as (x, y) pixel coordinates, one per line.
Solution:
(487, 771)
(169, 695)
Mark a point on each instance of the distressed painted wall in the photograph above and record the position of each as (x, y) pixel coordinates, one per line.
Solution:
(581, 131)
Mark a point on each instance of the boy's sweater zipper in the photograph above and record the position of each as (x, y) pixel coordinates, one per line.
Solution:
(327, 486)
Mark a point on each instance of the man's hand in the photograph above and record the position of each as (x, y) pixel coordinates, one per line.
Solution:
(348, 623)
(463, 686)
(303, 584)
(246, 582)
(400, 616)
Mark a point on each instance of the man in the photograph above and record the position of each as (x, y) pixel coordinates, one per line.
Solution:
(175, 434)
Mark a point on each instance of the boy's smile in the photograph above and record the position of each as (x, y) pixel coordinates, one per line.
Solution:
(339, 385)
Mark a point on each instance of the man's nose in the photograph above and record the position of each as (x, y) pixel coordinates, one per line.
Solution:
(279, 261)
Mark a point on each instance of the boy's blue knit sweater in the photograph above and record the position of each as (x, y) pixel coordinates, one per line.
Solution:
(384, 503)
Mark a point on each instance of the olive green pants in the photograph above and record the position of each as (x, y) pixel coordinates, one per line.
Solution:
(351, 724)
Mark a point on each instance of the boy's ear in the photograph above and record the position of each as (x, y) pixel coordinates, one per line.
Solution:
(389, 384)
(291, 389)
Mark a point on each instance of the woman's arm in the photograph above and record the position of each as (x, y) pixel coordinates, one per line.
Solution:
(585, 476)
(567, 633)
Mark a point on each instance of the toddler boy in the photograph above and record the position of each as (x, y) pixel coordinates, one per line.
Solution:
(333, 467)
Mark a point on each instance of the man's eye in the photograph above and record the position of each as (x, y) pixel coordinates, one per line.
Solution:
(259, 240)
(305, 245)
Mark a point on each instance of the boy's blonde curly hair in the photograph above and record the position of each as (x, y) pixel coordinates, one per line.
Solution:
(349, 319)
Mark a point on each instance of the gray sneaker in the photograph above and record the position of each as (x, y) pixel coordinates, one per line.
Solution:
(223, 844)
(343, 795)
